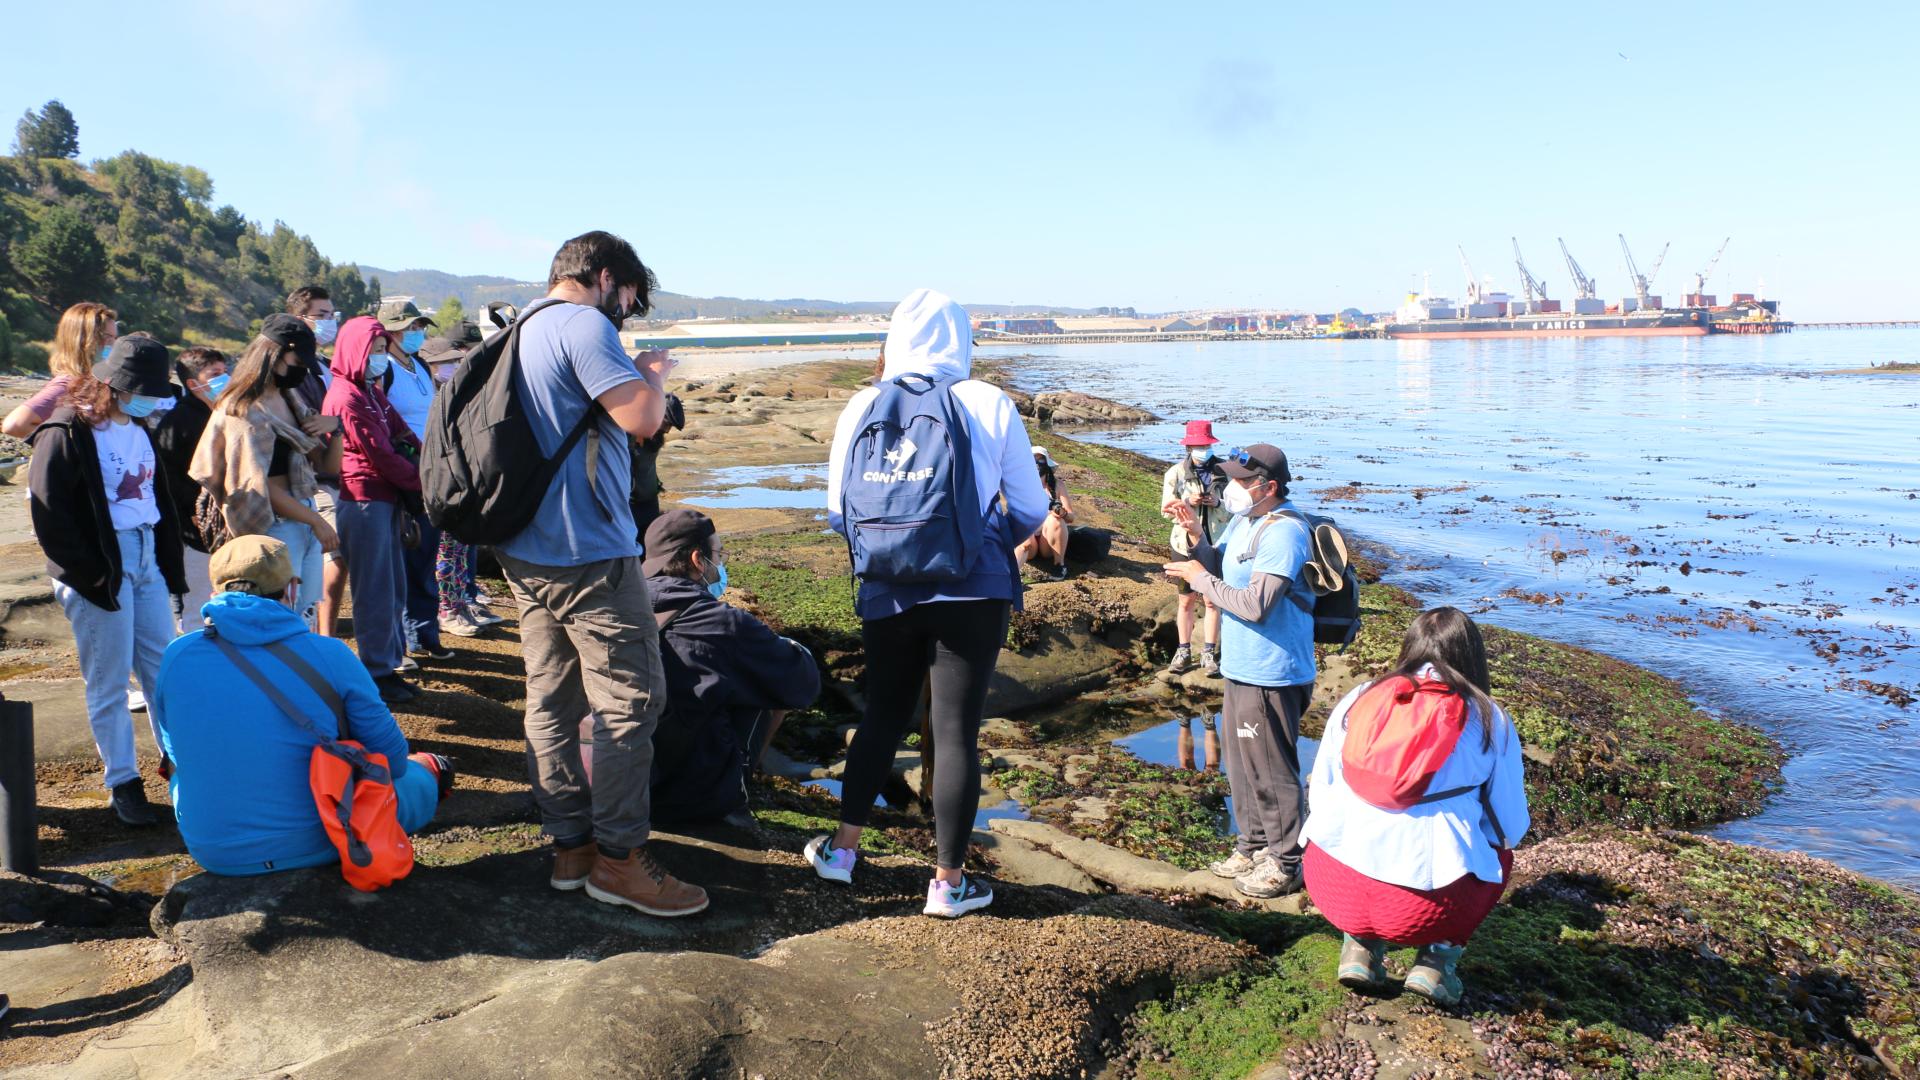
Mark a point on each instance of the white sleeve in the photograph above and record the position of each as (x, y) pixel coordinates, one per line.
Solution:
(1507, 787)
(1333, 740)
(1027, 500)
(843, 432)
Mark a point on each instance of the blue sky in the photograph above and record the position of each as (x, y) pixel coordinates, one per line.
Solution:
(1154, 155)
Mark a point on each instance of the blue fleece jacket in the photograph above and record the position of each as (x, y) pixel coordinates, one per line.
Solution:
(240, 787)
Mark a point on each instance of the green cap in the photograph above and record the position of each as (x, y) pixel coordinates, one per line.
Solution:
(399, 315)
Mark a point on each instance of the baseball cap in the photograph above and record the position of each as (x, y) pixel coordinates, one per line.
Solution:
(139, 365)
(399, 314)
(440, 350)
(251, 564)
(291, 332)
(1261, 461)
(671, 534)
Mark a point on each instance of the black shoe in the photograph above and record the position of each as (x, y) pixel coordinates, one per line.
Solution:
(130, 804)
(444, 773)
(1060, 573)
(431, 652)
(395, 690)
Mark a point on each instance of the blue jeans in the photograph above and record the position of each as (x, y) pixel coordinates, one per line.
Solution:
(114, 644)
(304, 549)
(423, 585)
(370, 539)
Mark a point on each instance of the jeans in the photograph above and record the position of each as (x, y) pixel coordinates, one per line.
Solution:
(304, 549)
(114, 644)
(591, 646)
(423, 585)
(199, 590)
(370, 538)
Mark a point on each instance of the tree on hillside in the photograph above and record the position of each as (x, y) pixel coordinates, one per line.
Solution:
(51, 132)
(350, 293)
(62, 259)
(451, 311)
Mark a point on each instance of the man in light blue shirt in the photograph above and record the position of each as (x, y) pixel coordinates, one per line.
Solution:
(1253, 574)
(587, 627)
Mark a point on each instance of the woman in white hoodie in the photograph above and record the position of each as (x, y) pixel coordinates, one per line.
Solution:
(943, 629)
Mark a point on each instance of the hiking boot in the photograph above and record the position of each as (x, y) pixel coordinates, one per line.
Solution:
(1268, 880)
(832, 863)
(1210, 660)
(1432, 975)
(1363, 963)
(1235, 865)
(395, 690)
(952, 901)
(1182, 661)
(640, 883)
(130, 805)
(573, 865)
(482, 617)
(459, 622)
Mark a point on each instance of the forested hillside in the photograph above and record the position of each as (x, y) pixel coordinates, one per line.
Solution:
(144, 236)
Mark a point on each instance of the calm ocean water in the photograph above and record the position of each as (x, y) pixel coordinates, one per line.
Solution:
(1712, 508)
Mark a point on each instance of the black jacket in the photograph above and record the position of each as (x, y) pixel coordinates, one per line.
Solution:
(724, 668)
(175, 438)
(70, 518)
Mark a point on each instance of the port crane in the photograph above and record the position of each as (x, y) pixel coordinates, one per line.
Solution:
(1528, 282)
(1473, 282)
(1582, 284)
(1641, 282)
(1700, 279)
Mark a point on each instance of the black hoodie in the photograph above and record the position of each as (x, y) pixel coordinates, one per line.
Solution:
(724, 668)
(71, 520)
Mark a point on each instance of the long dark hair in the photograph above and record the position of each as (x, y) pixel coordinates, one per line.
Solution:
(252, 377)
(1451, 643)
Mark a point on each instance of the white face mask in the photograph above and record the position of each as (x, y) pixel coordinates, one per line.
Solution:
(1237, 500)
(1200, 454)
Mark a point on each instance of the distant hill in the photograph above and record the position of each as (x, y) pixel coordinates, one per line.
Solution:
(430, 287)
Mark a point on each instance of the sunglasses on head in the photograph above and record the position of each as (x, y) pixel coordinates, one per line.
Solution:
(1240, 456)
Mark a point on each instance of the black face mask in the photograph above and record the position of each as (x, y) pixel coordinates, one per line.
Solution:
(613, 310)
(290, 378)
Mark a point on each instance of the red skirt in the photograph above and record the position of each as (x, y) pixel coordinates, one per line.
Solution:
(1366, 908)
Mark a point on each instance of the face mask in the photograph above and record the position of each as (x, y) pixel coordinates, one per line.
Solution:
(411, 340)
(138, 406)
(1199, 454)
(377, 365)
(1237, 500)
(612, 309)
(290, 378)
(218, 384)
(105, 351)
(443, 372)
(718, 585)
(325, 330)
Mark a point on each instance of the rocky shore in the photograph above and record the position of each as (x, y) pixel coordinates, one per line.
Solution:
(1625, 946)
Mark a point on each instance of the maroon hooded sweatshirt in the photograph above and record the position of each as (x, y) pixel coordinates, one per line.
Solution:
(371, 470)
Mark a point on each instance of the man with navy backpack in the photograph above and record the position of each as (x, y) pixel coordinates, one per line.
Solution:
(586, 623)
(1254, 573)
(920, 467)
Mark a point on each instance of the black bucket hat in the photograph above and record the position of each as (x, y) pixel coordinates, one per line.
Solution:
(138, 365)
(672, 533)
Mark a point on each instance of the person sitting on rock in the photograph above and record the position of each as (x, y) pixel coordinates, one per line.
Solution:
(730, 679)
(1197, 481)
(1424, 869)
(1049, 546)
(240, 764)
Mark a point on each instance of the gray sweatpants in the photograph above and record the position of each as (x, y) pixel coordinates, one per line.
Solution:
(1259, 738)
(591, 646)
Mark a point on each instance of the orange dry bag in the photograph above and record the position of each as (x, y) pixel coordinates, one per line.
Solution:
(1399, 732)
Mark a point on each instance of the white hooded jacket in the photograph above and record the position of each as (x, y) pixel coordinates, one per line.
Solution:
(930, 335)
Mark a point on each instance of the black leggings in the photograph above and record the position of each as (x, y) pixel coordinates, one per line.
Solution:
(955, 644)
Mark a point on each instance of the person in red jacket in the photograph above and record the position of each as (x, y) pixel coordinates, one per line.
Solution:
(379, 483)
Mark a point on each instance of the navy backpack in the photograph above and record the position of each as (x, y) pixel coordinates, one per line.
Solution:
(911, 508)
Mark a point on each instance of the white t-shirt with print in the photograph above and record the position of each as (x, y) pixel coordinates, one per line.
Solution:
(126, 468)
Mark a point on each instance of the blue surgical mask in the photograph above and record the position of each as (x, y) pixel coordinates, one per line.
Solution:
(139, 405)
(218, 385)
(377, 365)
(105, 351)
(325, 330)
(411, 340)
(718, 585)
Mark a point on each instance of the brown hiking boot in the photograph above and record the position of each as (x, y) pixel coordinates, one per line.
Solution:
(640, 883)
(572, 865)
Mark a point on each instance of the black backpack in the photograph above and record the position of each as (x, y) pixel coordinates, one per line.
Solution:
(1328, 574)
(482, 474)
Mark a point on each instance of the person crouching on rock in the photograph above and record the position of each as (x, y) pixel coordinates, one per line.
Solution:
(1252, 574)
(934, 553)
(1196, 480)
(730, 680)
(1048, 547)
(1418, 798)
(240, 779)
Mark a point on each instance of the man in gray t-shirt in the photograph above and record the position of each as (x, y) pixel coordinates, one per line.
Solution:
(587, 629)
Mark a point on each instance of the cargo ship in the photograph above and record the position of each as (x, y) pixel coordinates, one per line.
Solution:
(1445, 322)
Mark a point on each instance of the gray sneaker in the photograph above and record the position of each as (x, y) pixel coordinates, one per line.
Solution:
(1233, 866)
(1182, 661)
(1210, 660)
(1268, 880)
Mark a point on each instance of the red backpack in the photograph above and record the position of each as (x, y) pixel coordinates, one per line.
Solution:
(1399, 732)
